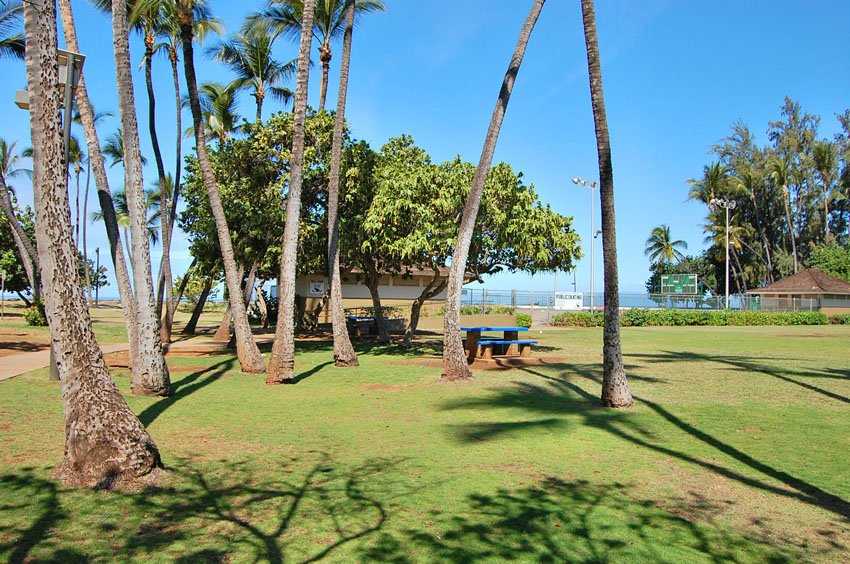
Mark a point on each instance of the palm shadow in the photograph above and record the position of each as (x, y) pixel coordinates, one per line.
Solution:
(559, 397)
(185, 387)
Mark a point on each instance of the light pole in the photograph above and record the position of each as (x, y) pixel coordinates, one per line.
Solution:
(97, 277)
(591, 185)
(70, 69)
(727, 205)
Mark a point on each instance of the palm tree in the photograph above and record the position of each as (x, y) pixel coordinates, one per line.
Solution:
(122, 213)
(454, 358)
(746, 183)
(661, 249)
(329, 18)
(282, 361)
(76, 158)
(249, 355)
(11, 37)
(780, 173)
(219, 111)
(249, 55)
(826, 163)
(738, 235)
(154, 374)
(9, 170)
(344, 354)
(104, 195)
(714, 183)
(615, 386)
(104, 440)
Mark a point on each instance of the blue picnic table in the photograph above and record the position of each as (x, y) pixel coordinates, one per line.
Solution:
(509, 344)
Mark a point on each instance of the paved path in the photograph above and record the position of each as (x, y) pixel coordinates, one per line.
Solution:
(17, 364)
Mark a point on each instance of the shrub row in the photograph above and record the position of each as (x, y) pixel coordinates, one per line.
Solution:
(843, 319)
(676, 317)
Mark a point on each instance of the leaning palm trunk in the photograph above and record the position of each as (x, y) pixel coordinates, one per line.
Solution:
(105, 442)
(84, 242)
(190, 327)
(615, 386)
(107, 206)
(282, 362)
(325, 55)
(454, 357)
(29, 257)
(250, 359)
(344, 354)
(152, 376)
(171, 300)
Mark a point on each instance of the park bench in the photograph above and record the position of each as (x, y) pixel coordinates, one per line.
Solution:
(505, 347)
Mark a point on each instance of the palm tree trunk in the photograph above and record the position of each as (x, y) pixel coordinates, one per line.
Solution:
(262, 305)
(182, 288)
(105, 442)
(454, 357)
(107, 206)
(344, 354)
(29, 256)
(167, 238)
(259, 117)
(615, 386)
(764, 240)
(152, 378)
(190, 327)
(85, 221)
(282, 362)
(249, 356)
(325, 55)
(77, 209)
(791, 232)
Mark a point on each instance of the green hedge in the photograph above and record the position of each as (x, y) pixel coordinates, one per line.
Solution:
(843, 319)
(678, 317)
(523, 320)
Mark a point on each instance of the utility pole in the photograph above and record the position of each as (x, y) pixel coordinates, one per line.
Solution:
(591, 185)
(726, 205)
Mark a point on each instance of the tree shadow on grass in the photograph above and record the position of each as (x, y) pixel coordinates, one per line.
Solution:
(304, 511)
(748, 364)
(561, 397)
(559, 521)
(186, 386)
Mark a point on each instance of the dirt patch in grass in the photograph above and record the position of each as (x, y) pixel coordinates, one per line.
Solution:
(16, 341)
(385, 387)
(120, 359)
(806, 336)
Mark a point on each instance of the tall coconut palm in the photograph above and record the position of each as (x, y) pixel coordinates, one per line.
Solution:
(661, 249)
(615, 386)
(122, 213)
(249, 355)
(153, 378)
(282, 361)
(780, 173)
(344, 354)
(826, 163)
(76, 159)
(454, 359)
(747, 182)
(11, 36)
(219, 111)
(122, 274)
(329, 18)
(249, 55)
(104, 440)
(714, 183)
(9, 170)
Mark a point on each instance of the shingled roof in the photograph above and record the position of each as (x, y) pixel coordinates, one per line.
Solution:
(809, 281)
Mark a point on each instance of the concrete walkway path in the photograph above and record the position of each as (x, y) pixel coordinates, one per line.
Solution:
(17, 364)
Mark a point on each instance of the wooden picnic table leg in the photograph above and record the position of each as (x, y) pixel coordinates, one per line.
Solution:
(472, 338)
(512, 350)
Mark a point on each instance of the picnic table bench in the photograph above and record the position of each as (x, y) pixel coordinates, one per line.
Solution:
(485, 348)
(358, 323)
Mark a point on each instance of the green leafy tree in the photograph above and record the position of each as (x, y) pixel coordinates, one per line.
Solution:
(17, 277)
(832, 259)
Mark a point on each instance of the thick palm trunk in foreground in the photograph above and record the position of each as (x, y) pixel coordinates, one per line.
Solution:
(151, 376)
(250, 359)
(615, 386)
(344, 354)
(105, 442)
(107, 207)
(282, 362)
(454, 357)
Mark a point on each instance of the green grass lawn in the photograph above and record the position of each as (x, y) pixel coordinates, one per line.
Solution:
(737, 449)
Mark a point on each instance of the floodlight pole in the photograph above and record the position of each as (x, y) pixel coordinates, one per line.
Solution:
(727, 205)
(591, 185)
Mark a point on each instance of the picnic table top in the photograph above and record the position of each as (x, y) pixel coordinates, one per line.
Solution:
(483, 329)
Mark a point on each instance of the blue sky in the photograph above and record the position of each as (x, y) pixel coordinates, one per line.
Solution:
(677, 75)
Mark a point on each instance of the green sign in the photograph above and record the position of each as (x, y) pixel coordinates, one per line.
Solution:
(679, 284)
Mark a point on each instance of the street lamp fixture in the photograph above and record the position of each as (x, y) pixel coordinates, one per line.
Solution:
(591, 185)
(727, 205)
